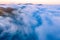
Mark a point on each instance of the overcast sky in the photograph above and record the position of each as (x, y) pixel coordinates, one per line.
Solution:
(31, 1)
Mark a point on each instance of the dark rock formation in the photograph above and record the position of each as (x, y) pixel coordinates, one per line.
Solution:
(6, 10)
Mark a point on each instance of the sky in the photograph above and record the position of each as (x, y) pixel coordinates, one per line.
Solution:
(30, 1)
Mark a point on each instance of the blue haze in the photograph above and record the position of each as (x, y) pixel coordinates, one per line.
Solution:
(31, 22)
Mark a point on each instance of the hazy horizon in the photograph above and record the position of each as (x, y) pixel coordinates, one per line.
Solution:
(30, 1)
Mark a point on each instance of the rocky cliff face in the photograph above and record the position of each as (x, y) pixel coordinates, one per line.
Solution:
(6, 11)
